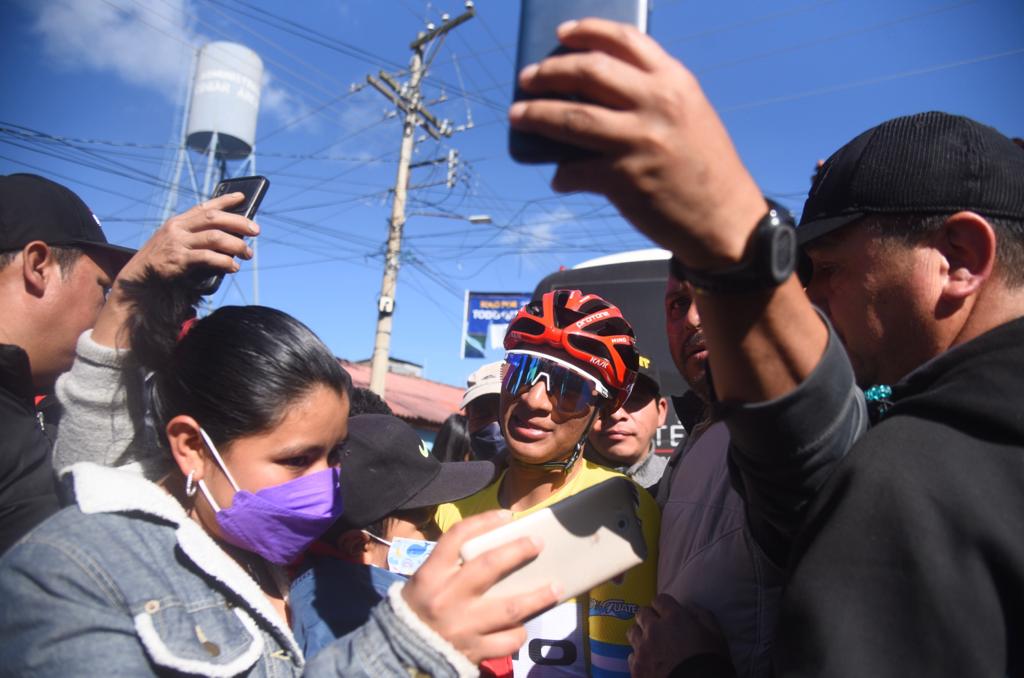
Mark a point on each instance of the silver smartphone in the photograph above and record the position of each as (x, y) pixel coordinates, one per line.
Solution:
(589, 538)
(538, 20)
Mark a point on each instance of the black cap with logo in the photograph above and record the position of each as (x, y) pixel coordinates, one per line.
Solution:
(385, 467)
(929, 163)
(649, 372)
(35, 208)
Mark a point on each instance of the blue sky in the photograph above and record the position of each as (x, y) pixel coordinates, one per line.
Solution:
(93, 93)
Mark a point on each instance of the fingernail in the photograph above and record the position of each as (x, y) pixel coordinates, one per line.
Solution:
(567, 26)
(537, 541)
(248, 252)
(517, 109)
(528, 72)
(557, 589)
(235, 266)
(505, 514)
(253, 228)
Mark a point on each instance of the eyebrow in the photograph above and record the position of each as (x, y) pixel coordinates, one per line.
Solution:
(301, 449)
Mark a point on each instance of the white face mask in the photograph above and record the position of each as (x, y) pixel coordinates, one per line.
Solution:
(405, 555)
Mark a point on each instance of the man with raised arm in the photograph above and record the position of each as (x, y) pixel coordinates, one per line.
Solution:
(909, 561)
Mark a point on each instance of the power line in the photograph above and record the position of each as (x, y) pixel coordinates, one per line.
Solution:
(870, 81)
(310, 34)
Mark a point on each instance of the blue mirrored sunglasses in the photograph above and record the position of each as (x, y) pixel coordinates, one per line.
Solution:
(571, 389)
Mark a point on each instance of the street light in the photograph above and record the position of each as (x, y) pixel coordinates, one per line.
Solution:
(472, 218)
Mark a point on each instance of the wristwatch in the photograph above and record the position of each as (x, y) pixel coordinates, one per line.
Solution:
(770, 261)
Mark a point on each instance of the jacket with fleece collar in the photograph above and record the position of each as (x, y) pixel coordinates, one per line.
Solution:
(912, 561)
(124, 583)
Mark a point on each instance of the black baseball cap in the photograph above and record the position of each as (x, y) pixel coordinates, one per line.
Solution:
(35, 208)
(928, 163)
(385, 467)
(649, 372)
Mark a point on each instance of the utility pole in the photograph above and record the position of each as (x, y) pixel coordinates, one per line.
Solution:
(406, 98)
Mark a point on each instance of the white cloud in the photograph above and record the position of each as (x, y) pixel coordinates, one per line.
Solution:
(537, 235)
(284, 106)
(149, 44)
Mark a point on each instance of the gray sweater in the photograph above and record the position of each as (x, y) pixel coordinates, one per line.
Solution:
(103, 419)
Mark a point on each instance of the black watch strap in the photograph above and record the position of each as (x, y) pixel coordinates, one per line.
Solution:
(770, 261)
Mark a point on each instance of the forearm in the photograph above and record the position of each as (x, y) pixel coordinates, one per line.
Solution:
(785, 449)
(111, 325)
(103, 419)
(761, 346)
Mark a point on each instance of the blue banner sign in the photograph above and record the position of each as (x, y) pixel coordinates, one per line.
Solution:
(487, 315)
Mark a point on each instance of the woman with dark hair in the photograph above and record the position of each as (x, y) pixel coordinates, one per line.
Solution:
(452, 441)
(184, 575)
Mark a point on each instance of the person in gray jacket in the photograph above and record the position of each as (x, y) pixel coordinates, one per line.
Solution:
(183, 575)
(722, 550)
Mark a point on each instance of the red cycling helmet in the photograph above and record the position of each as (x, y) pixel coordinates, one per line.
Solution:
(588, 328)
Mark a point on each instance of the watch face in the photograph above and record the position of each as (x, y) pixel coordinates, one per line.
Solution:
(783, 252)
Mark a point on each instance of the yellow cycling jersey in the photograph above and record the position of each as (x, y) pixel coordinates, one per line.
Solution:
(585, 636)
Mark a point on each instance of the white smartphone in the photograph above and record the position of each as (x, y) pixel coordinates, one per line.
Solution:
(589, 538)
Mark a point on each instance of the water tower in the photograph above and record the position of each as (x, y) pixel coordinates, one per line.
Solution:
(219, 126)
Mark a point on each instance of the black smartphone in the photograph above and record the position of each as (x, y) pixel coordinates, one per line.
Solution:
(538, 20)
(254, 189)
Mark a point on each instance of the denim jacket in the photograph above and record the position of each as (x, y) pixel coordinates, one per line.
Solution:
(124, 583)
(332, 597)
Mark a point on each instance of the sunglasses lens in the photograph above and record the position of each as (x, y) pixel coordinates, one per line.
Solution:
(514, 374)
(573, 392)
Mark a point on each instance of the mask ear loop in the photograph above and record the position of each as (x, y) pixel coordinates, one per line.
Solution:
(374, 537)
(223, 467)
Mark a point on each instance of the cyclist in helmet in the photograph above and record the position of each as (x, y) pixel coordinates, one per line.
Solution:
(569, 356)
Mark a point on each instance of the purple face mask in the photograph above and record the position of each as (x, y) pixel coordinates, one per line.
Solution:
(277, 522)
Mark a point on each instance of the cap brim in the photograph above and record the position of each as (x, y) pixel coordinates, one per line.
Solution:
(474, 392)
(457, 479)
(650, 379)
(121, 254)
(812, 230)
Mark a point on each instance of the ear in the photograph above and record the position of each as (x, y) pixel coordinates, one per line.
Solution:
(662, 411)
(187, 445)
(968, 243)
(355, 545)
(38, 267)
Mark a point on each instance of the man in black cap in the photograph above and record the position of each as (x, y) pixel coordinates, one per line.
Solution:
(56, 272)
(910, 561)
(624, 439)
(915, 230)
(390, 488)
(56, 268)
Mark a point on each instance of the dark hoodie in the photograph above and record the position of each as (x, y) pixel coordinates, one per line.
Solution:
(27, 489)
(912, 560)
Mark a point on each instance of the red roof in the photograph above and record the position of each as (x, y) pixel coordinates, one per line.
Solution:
(419, 401)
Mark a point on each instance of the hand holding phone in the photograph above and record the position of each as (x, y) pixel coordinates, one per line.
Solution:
(588, 538)
(447, 598)
(538, 22)
(253, 188)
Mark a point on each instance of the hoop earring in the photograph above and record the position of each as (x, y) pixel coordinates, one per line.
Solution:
(190, 488)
